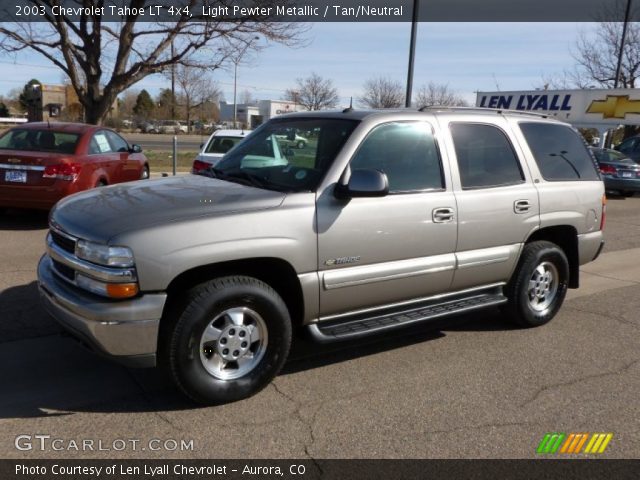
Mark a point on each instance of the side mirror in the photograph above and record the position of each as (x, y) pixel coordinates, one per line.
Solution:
(363, 182)
(135, 148)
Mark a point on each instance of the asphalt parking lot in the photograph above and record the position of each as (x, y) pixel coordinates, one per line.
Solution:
(475, 387)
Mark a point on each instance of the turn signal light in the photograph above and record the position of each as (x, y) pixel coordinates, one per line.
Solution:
(121, 290)
(604, 212)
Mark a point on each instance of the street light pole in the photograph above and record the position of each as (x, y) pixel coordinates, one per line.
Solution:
(235, 86)
(236, 61)
(412, 50)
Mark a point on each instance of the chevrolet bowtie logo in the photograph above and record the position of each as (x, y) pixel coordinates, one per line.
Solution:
(615, 106)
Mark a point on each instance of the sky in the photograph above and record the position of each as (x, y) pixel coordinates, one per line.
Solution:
(466, 56)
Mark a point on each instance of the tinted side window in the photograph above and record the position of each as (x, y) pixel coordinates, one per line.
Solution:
(406, 152)
(559, 152)
(485, 156)
(117, 142)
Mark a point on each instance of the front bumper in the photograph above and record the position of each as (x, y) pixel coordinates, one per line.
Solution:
(125, 331)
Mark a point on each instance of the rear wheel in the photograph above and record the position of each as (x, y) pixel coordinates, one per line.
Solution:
(539, 284)
(230, 341)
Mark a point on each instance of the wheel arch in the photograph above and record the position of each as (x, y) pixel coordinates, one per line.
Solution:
(566, 237)
(275, 272)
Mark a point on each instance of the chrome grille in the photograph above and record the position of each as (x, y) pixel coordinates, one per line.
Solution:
(64, 271)
(66, 243)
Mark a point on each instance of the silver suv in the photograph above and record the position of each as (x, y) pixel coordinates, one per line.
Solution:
(385, 219)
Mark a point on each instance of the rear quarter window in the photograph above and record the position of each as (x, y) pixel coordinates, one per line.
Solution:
(559, 151)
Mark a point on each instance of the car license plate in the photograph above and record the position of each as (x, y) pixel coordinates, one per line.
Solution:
(627, 174)
(16, 176)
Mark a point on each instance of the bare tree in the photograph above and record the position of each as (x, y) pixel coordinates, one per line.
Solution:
(102, 59)
(382, 92)
(195, 89)
(597, 56)
(246, 97)
(313, 93)
(438, 94)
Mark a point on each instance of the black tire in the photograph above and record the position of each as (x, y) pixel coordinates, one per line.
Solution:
(101, 183)
(188, 360)
(534, 304)
(627, 193)
(301, 145)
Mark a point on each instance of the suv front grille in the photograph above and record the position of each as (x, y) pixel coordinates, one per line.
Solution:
(65, 243)
(64, 271)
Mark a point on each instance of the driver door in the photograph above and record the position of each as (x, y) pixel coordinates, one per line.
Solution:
(378, 251)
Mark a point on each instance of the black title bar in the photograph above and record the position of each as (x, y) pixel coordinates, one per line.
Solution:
(319, 10)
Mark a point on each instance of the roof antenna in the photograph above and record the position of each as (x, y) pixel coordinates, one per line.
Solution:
(350, 107)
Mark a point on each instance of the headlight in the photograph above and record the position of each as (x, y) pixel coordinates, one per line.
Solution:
(104, 254)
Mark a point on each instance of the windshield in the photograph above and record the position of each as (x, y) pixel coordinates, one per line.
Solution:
(222, 144)
(268, 159)
(39, 141)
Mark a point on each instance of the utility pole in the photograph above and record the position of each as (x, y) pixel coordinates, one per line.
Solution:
(622, 42)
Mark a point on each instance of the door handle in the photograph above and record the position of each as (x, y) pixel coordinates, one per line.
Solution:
(442, 215)
(521, 206)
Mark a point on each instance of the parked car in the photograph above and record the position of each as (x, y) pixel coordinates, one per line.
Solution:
(291, 139)
(41, 163)
(172, 127)
(630, 147)
(619, 173)
(148, 127)
(219, 143)
(395, 218)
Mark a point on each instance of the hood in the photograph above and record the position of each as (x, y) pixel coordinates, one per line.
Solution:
(102, 213)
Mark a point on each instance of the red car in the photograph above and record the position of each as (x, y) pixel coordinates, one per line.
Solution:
(41, 163)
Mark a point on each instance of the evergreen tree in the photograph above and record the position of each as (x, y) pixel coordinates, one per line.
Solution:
(144, 105)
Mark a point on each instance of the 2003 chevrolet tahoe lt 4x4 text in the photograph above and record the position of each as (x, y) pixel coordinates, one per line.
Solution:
(384, 219)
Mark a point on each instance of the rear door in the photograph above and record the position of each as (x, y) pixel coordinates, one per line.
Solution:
(129, 168)
(498, 205)
(103, 159)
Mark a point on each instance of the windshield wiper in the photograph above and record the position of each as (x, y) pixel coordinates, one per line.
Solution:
(251, 179)
(240, 176)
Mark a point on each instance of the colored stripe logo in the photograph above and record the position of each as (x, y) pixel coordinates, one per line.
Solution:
(573, 443)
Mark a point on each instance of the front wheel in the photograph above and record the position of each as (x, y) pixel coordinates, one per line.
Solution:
(301, 145)
(230, 341)
(539, 284)
(144, 175)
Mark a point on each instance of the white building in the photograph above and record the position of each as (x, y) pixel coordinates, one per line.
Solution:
(252, 115)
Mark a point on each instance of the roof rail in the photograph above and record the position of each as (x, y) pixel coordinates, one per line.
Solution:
(499, 111)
